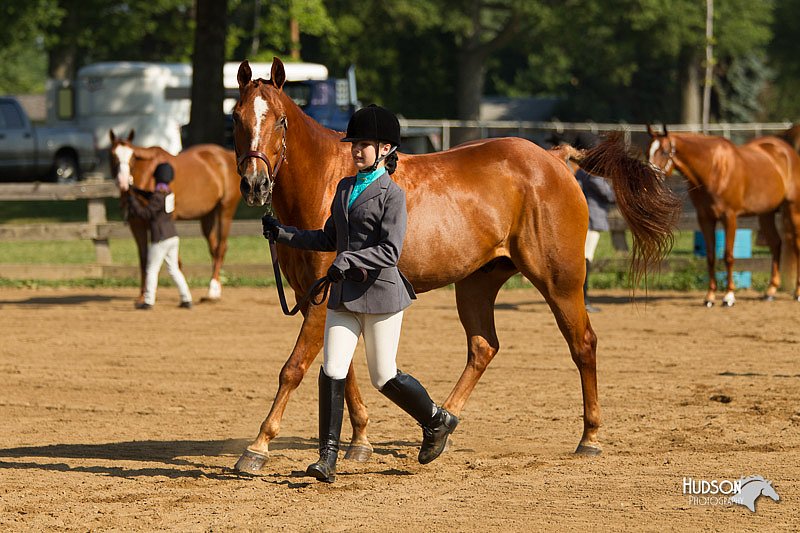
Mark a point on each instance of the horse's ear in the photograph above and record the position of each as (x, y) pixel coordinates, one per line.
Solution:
(131, 134)
(278, 74)
(665, 129)
(245, 74)
(650, 131)
(112, 136)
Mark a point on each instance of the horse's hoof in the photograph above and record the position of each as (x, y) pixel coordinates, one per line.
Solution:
(727, 304)
(588, 450)
(769, 298)
(708, 303)
(359, 453)
(251, 462)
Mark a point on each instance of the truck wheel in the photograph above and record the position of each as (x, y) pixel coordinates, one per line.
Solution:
(65, 168)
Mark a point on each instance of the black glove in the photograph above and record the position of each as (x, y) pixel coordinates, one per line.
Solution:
(335, 274)
(357, 274)
(270, 226)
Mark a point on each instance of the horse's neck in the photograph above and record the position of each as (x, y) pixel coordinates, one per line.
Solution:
(692, 157)
(145, 164)
(315, 161)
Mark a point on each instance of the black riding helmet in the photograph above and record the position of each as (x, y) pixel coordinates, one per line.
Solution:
(163, 173)
(373, 123)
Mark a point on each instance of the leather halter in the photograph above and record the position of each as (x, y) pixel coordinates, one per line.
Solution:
(273, 172)
(670, 157)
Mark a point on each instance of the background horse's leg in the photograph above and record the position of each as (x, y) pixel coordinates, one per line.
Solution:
(139, 228)
(212, 229)
(766, 222)
(707, 222)
(792, 221)
(730, 235)
(475, 297)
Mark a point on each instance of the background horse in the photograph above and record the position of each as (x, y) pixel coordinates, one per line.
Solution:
(477, 214)
(727, 181)
(206, 187)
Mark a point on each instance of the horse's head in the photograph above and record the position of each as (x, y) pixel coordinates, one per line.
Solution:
(259, 132)
(122, 160)
(662, 150)
(769, 491)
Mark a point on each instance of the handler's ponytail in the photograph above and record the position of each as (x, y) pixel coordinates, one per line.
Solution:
(391, 162)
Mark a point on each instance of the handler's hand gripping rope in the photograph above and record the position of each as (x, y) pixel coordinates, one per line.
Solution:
(318, 292)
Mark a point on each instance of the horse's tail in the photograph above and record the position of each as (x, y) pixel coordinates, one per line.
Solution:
(649, 207)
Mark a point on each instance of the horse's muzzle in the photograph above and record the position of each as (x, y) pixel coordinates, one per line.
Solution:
(256, 191)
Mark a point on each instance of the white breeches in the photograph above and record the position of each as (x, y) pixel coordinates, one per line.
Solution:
(592, 238)
(165, 251)
(381, 338)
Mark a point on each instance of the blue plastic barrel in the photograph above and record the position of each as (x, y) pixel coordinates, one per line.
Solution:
(742, 249)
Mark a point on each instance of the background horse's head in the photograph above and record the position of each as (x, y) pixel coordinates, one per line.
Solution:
(662, 150)
(122, 160)
(259, 132)
(131, 165)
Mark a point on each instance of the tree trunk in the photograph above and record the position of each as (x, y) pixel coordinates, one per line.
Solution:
(207, 121)
(62, 58)
(469, 90)
(691, 90)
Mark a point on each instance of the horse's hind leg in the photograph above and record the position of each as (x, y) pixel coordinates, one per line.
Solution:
(766, 223)
(475, 297)
(562, 287)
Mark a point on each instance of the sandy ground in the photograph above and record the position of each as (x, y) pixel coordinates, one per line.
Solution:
(115, 419)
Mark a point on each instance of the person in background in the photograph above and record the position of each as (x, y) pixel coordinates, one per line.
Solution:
(164, 239)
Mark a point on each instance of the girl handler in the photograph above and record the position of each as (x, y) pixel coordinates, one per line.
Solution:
(366, 228)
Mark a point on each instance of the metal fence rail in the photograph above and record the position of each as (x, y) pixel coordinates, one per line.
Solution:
(441, 133)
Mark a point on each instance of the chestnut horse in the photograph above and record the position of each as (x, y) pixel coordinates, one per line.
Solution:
(727, 181)
(477, 214)
(206, 187)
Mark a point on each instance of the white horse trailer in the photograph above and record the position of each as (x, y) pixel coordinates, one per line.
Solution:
(151, 98)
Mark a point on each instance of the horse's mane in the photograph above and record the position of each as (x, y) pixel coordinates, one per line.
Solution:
(749, 479)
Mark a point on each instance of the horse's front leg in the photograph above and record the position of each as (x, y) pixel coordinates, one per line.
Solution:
(309, 342)
(139, 229)
(730, 235)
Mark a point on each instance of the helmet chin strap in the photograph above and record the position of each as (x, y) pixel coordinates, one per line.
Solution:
(374, 165)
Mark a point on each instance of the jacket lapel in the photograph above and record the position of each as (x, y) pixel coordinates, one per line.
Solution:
(347, 190)
(373, 189)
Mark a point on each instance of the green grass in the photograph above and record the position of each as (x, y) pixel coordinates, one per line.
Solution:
(241, 251)
(46, 212)
(253, 250)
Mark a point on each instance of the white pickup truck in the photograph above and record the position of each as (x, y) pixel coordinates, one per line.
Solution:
(28, 152)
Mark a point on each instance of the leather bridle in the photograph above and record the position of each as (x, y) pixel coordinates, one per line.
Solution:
(272, 172)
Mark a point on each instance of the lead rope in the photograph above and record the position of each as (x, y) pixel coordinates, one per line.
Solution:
(316, 295)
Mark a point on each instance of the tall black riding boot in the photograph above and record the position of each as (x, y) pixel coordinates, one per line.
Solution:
(437, 423)
(331, 407)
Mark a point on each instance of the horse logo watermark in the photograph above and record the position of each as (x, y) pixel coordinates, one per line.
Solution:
(751, 488)
(744, 491)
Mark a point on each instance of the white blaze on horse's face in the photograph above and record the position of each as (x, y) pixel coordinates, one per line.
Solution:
(124, 178)
(654, 146)
(260, 108)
